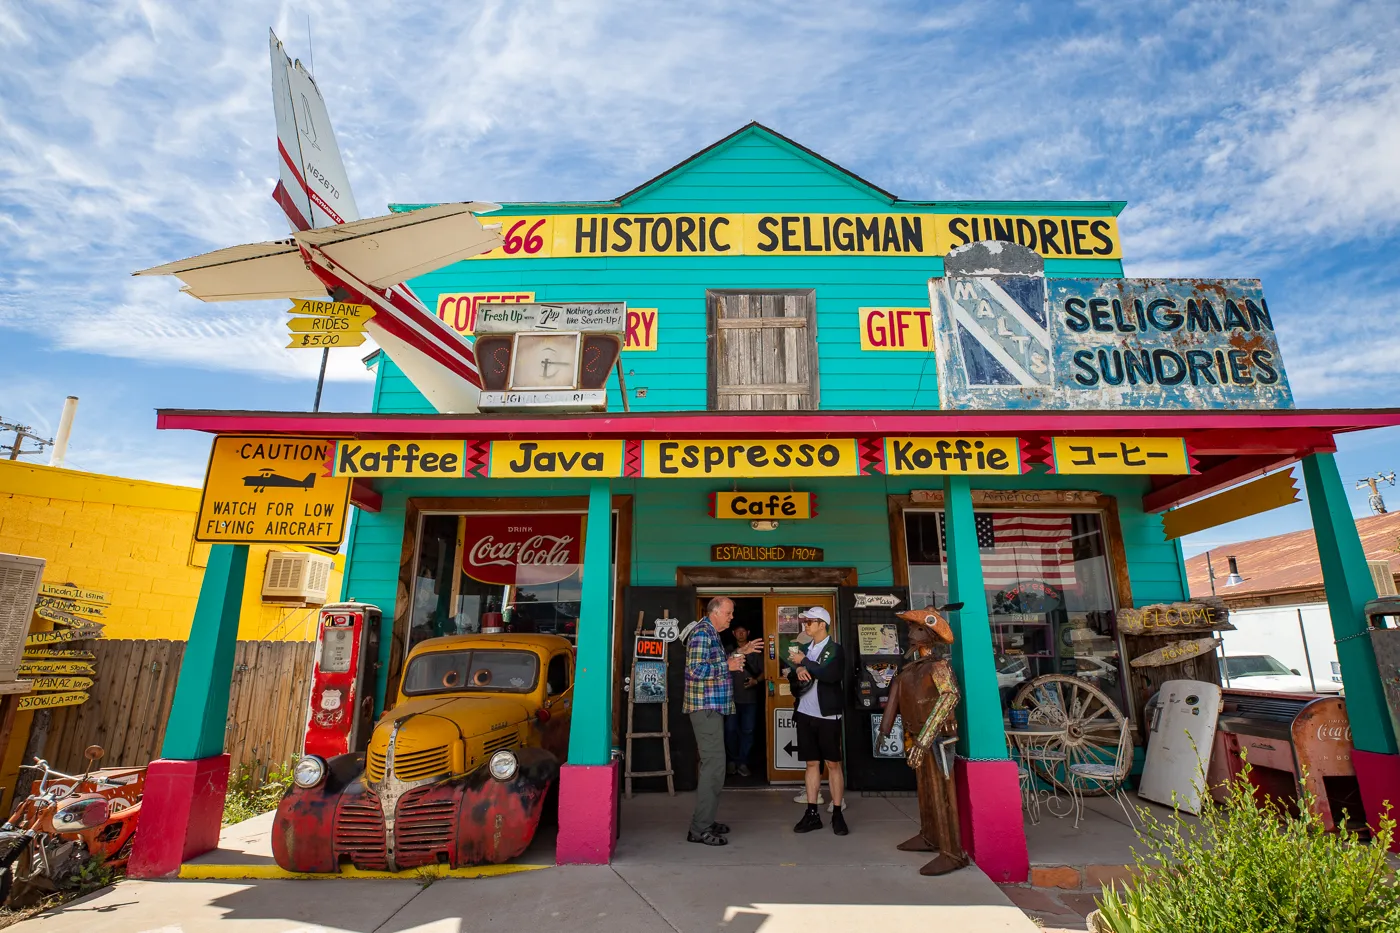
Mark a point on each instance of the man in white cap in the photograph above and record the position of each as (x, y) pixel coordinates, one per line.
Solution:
(815, 677)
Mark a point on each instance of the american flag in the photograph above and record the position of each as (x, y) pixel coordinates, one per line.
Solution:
(1021, 546)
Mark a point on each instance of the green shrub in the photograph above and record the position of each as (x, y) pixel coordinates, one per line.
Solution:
(1253, 865)
(247, 797)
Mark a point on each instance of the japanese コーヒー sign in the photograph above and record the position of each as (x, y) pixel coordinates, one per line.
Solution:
(272, 490)
(1145, 455)
(1013, 339)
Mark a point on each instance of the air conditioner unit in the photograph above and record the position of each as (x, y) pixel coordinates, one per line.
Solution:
(1383, 577)
(295, 576)
(19, 591)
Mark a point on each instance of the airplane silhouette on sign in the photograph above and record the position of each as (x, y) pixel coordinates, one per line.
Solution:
(267, 477)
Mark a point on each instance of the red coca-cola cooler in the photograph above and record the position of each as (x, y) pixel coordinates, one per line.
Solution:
(341, 714)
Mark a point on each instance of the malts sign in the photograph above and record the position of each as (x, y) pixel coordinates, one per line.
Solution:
(522, 548)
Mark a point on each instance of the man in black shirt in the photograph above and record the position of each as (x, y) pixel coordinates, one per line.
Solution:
(739, 727)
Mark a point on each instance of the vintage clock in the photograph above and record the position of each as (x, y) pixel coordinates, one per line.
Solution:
(553, 357)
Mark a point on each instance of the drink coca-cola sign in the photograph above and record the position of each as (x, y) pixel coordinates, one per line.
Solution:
(522, 549)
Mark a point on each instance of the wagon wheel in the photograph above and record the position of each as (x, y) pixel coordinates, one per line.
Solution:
(1092, 724)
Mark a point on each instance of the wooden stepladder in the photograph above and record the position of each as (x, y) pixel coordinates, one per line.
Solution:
(664, 735)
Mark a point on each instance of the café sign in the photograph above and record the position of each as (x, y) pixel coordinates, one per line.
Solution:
(753, 505)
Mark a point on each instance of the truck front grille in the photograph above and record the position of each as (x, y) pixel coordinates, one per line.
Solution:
(427, 763)
(499, 742)
(374, 766)
(424, 827)
(359, 832)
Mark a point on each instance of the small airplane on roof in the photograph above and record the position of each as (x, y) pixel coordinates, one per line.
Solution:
(267, 477)
(332, 252)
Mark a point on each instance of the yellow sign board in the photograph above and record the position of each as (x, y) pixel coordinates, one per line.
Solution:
(523, 459)
(1144, 456)
(1262, 495)
(60, 635)
(61, 683)
(39, 668)
(321, 341)
(74, 607)
(424, 459)
(58, 654)
(68, 591)
(51, 700)
(749, 458)
(272, 490)
(332, 309)
(766, 505)
(900, 234)
(59, 617)
(326, 325)
(896, 329)
(924, 456)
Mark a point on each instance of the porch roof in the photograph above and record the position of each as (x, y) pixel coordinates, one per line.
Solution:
(1229, 446)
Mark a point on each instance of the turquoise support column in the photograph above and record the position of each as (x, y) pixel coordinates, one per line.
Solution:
(981, 734)
(590, 733)
(1349, 587)
(199, 713)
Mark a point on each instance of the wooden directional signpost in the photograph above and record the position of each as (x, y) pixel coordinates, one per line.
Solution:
(62, 673)
(325, 324)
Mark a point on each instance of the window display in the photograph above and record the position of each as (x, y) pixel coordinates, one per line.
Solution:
(1049, 593)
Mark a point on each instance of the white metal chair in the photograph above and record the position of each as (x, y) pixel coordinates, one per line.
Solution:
(1109, 777)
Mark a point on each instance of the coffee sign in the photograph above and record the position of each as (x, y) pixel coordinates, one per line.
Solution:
(522, 549)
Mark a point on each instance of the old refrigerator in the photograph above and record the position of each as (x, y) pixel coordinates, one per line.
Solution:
(1179, 741)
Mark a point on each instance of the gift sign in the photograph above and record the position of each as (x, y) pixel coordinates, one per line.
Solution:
(522, 549)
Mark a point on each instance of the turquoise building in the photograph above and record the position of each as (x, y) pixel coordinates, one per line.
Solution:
(781, 351)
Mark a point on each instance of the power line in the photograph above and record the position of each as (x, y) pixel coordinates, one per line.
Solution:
(1374, 500)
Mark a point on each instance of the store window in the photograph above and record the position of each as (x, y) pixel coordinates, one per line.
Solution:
(498, 571)
(1049, 592)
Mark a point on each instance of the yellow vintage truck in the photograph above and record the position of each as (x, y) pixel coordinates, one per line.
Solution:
(456, 773)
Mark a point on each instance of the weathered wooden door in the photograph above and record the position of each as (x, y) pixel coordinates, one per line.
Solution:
(763, 350)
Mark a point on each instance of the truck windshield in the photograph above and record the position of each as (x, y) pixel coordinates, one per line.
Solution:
(1254, 665)
(472, 671)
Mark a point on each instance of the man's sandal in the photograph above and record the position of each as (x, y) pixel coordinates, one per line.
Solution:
(719, 829)
(708, 837)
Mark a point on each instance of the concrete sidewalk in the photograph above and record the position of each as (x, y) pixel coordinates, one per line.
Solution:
(768, 879)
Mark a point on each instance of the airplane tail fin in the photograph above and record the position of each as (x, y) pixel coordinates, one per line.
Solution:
(313, 188)
(309, 481)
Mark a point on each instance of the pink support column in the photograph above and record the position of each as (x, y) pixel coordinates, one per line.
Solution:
(182, 811)
(1378, 775)
(587, 814)
(989, 816)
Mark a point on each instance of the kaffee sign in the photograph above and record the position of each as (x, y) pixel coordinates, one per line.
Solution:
(522, 549)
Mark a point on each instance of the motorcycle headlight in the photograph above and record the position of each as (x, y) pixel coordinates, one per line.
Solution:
(503, 765)
(309, 771)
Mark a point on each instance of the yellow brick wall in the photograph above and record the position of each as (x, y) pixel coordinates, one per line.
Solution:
(134, 540)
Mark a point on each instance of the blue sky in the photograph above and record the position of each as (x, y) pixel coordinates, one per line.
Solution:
(1250, 140)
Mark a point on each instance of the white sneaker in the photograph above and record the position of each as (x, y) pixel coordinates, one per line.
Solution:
(802, 798)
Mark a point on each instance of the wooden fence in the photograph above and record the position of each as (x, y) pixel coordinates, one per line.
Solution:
(129, 704)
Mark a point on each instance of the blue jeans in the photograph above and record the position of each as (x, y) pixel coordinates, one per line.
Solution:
(738, 732)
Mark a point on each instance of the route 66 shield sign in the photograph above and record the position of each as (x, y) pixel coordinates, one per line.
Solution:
(668, 629)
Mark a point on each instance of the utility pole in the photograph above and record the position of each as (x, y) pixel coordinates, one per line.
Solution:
(22, 432)
(1375, 501)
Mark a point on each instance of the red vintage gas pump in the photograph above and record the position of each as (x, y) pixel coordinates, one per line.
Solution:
(341, 716)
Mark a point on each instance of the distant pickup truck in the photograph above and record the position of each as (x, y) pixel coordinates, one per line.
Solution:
(1265, 672)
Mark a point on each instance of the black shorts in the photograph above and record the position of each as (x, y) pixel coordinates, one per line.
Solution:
(817, 739)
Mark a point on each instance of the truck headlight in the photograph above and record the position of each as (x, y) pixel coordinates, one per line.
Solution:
(309, 771)
(503, 765)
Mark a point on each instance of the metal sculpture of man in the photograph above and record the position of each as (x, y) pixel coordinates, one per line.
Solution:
(924, 695)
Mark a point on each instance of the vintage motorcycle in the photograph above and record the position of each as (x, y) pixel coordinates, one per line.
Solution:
(66, 822)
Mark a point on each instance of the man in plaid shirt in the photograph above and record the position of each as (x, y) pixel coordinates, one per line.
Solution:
(709, 697)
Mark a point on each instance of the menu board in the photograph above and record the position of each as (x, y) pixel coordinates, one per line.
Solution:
(882, 638)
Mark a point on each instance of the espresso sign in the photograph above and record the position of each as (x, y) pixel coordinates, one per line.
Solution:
(765, 553)
(744, 458)
(522, 549)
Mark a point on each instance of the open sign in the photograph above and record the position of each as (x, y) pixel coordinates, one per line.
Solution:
(651, 648)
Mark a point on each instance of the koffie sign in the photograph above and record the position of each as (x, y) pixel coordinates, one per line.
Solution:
(272, 490)
(583, 235)
(1021, 341)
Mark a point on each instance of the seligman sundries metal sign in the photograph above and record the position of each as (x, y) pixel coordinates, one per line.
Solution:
(1009, 338)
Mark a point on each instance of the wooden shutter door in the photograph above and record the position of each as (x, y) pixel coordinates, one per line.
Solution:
(763, 350)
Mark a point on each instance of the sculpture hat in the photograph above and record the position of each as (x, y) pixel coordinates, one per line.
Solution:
(933, 620)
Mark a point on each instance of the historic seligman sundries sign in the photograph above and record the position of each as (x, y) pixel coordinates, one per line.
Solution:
(1009, 338)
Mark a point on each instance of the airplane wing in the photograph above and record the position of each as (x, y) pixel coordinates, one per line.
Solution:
(385, 251)
(244, 273)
